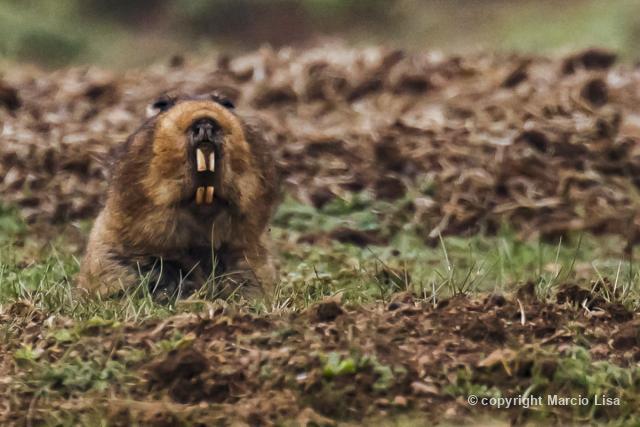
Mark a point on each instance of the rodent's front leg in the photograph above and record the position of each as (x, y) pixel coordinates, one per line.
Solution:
(248, 272)
(167, 279)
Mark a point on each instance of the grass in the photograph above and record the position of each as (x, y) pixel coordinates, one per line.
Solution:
(40, 278)
(539, 27)
(454, 266)
(599, 387)
(309, 272)
(39, 31)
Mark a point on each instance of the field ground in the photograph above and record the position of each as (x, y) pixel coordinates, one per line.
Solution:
(125, 34)
(450, 226)
(352, 332)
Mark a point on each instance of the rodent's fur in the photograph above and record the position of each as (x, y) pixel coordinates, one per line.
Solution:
(150, 224)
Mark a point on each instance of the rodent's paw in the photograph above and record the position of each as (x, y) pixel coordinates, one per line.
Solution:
(239, 284)
(166, 282)
(167, 291)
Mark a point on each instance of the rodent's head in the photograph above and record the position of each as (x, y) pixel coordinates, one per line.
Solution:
(200, 157)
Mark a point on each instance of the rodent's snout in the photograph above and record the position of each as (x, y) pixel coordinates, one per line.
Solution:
(204, 130)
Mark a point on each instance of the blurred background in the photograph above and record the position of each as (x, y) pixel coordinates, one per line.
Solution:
(124, 33)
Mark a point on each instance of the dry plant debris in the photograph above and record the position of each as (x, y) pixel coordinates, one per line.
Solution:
(212, 368)
(547, 146)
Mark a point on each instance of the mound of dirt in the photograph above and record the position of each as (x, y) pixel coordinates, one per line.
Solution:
(546, 145)
(329, 362)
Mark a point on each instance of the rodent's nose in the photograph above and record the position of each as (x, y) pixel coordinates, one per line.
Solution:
(204, 130)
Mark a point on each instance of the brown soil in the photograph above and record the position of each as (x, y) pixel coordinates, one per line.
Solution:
(547, 146)
(263, 369)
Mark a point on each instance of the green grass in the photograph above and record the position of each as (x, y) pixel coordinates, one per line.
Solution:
(454, 265)
(44, 276)
(571, 375)
(73, 31)
(37, 277)
(56, 34)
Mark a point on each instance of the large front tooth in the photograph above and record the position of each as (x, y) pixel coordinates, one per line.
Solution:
(199, 195)
(209, 198)
(201, 161)
(212, 162)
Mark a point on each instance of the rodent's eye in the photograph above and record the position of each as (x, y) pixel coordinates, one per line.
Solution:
(162, 104)
(225, 102)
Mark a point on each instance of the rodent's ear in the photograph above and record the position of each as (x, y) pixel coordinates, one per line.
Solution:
(159, 105)
(222, 100)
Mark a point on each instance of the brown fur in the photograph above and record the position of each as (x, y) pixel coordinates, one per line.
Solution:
(149, 222)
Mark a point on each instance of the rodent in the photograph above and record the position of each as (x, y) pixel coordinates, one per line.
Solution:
(190, 200)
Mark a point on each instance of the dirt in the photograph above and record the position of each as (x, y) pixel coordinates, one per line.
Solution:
(548, 146)
(261, 370)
